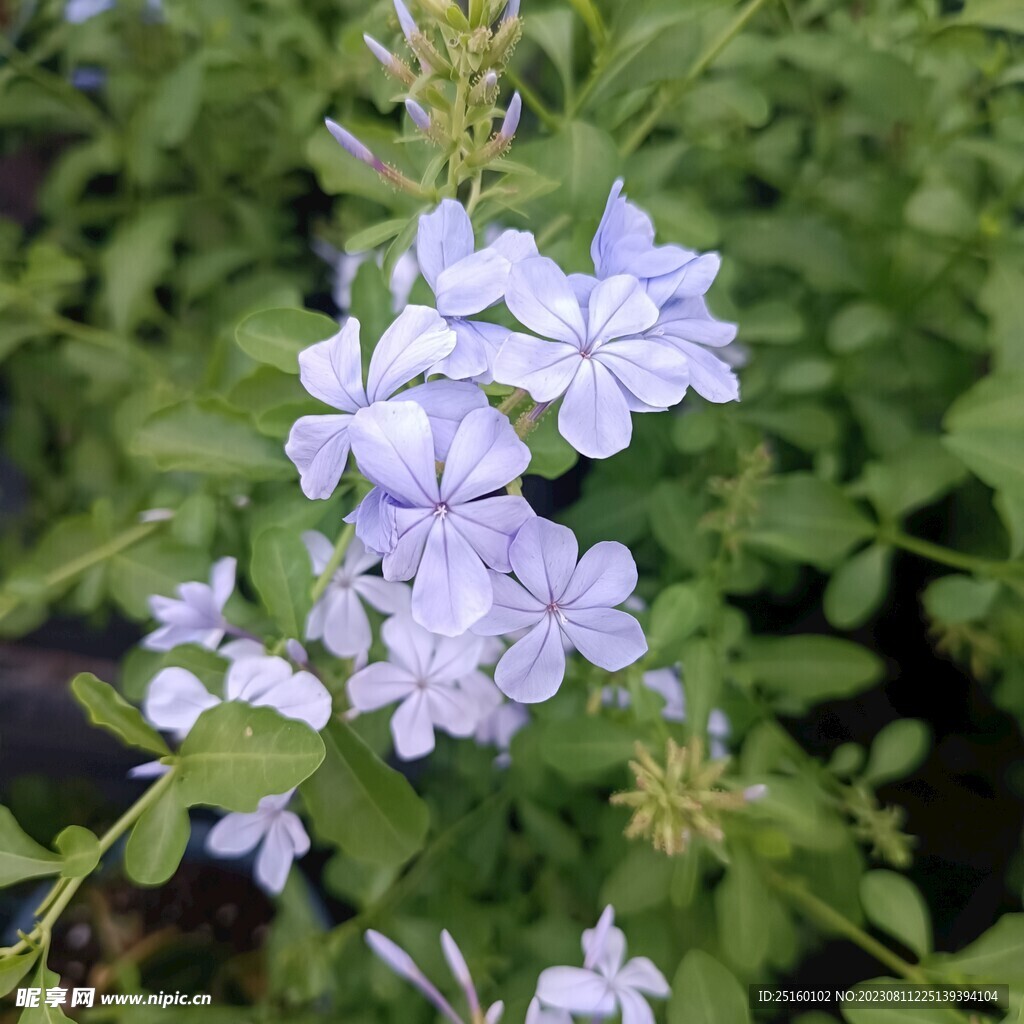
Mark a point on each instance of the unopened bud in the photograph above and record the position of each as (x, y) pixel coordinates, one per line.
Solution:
(418, 115)
(504, 41)
(511, 10)
(406, 20)
(508, 127)
(353, 146)
(393, 64)
(754, 793)
(485, 91)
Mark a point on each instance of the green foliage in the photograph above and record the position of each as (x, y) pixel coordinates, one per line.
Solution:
(157, 841)
(107, 709)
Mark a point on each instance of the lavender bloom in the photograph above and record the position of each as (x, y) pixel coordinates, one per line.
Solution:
(442, 532)
(332, 371)
(78, 11)
(556, 595)
(176, 697)
(197, 617)
(339, 617)
(499, 724)
(432, 678)
(346, 266)
(676, 279)
(511, 121)
(511, 10)
(602, 365)
(406, 20)
(466, 283)
(382, 53)
(418, 115)
(604, 985)
(353, 146)
(538, 1014)
(405, 967)
(278, 832)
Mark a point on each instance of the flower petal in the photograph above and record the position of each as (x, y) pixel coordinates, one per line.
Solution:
(412, 728)
(606, 637)
(411, 528)
(452, 588)
(515, 246)
(711, 378)
(379, 685)
(453, 710)
(634, 1007)
(446, 403)
(514, 607)
(576, 990)
(544, 368)
(485, 455)
(320, 550)
(540, 297)
(374, 522)
(222, 580)
(237, 834)
(641, 974)
(654, 372)
(248, 679)
(605, 577)
(395, 449)
(387, 597)
(543, 557)
(532, 669)
(688, 319)
(346, 629)
(472, 284)
(443, 238)
(413, 343)
(274, 860)
(332, 370)
(490, 525)
(319, 446)
(358, 559)
(619, 308)
(175, 699)
(454, 657)
(594, 417)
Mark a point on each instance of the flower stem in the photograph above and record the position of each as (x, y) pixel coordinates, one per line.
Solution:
(830, 919)
(509, 403)
(64, 889)
(592, 19)
(949, 557)
(340, 547)
(668, 95)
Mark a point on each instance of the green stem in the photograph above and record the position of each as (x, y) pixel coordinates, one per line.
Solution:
(512, 401)
(68, 571)
(668, 95)
(64, 889)
(831, 920)
(949, 557)
(340, 547)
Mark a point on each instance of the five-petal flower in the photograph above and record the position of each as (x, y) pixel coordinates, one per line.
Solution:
(433, 679)
(605, 984)
(442, 532)
(278, 832)
(197, 616)
(332, 371)
(339, 617)
(465, 283)
(600, 362)
(176, 697)
(555, 595)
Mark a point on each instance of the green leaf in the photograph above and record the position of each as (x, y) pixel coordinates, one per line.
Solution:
(956, 599)
(584, 747)
(706, 992)
(236, 754)
(378, 234)
(640, 881)
(43, 979)
(675, 614)
(21, 856)
(156, 566)
(858, 587)
(14, 968)
(743, 910)
(804, 670)
(915, 476)
(893, 904)
(107, 709)
(362, 805)
(999, 14)
(205, 436)
(158, 840)
(281, 573)
(997, 956)
(985, 429)
(80, 850)
(551, 456)
(807, 519)
(171, 111)
(277, 336)
(897, 750)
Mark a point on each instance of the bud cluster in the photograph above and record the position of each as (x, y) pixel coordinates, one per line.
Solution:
(451, 90)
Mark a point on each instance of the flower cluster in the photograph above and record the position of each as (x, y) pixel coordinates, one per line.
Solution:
(607, 984)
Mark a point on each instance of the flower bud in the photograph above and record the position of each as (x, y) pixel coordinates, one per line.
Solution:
(392, 64)
(511, 10)
(406, 20)
(485, 92)
(511, 122)
(353, 146)
(418, 115)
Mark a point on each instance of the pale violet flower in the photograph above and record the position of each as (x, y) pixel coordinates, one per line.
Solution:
(555, 595)
(443, 532)
(176, 697)
(399, 961)
(536, 1013)
(278, 832)
(332, 371)
(605, 984)
(466, 283)
(676, 279)
(197, 615)
(597, 360)
(78, 11)
(339, 618)
(432, 679)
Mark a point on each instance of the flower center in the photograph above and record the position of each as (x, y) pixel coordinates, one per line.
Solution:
(553, 609)
(441, 511)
